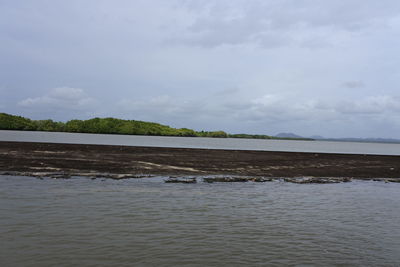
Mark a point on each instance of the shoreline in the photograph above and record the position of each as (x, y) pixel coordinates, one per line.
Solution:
(119, 162)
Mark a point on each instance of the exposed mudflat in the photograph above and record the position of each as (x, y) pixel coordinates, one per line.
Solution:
(137, 161)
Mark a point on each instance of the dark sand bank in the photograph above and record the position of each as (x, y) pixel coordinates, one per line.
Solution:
(130, 162)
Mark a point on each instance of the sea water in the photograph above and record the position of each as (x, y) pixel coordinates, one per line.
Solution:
(146, 222)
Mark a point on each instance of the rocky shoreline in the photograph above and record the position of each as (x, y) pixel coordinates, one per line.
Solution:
(62, 161)
(67, 175)
(193, 180)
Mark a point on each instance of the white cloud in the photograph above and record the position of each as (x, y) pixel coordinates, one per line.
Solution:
(61, 97)
(67, 93)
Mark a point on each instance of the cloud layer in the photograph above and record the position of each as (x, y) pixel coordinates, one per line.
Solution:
(283, 23)
(61, 97)
(255, 66)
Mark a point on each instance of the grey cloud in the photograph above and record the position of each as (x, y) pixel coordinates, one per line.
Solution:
(162, 107)
(278, 23)
(374, 105)
(227, 92)
(353, 84)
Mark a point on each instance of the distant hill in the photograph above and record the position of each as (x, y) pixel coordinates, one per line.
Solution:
(348, 139)
(316, 137)
(288, 135)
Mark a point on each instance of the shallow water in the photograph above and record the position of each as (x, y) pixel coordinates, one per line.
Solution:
(145, 222)
(209, 143)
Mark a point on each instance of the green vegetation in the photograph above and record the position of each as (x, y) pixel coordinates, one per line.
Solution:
(111, 126)
(263, 136)
(251, 136)
(99, 125)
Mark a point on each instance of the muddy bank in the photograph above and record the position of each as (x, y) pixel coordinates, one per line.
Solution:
(130, 162)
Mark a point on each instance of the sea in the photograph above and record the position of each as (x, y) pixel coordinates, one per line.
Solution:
(207, 143)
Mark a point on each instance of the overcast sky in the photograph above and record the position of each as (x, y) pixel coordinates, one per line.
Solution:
(312, 67)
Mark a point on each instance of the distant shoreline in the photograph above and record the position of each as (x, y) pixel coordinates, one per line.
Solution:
(32, 157)
(117, 126)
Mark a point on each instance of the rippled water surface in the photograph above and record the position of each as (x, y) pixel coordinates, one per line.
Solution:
(145, 222)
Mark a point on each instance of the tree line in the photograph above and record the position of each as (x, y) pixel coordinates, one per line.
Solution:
(101, 126)
(114, 126)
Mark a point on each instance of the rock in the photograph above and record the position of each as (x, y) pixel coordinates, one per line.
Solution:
(182, 181)
(387, 180)
(60, 176)
(261, 179)
(317, 180)
(225, 179)
(116, 176)
(10, 173)
(392, 180)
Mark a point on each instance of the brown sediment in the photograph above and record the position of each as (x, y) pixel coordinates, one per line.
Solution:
(127, 162)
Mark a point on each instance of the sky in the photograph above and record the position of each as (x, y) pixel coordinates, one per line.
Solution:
(311, 67)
